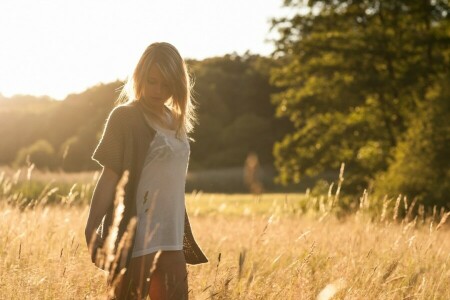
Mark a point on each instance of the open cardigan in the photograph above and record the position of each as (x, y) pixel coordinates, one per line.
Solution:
(123, 146)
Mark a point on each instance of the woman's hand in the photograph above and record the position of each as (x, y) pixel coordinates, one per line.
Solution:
(94, 241)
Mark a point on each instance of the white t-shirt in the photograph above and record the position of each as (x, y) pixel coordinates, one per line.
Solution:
(160, 194)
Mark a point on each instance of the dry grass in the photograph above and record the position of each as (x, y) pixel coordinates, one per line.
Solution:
(267, 247)
(43, 256)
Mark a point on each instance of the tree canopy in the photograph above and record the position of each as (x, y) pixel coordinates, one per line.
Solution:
(356, 77)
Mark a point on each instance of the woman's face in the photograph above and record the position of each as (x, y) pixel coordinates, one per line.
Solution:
(156, 89)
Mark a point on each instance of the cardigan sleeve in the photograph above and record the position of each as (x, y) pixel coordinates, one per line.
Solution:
(110, 149)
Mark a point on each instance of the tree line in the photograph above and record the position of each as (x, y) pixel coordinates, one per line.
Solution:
(236, 118)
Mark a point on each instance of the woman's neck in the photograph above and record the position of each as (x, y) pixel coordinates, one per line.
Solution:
(157, 109)
(159, 114)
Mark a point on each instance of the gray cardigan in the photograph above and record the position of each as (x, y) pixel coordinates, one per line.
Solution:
(123, 146)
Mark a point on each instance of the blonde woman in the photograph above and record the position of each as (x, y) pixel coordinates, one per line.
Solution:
(147, 135)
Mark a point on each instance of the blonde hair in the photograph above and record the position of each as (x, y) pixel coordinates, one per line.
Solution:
(174, 70)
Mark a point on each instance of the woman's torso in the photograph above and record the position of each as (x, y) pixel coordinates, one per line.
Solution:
(160, 193)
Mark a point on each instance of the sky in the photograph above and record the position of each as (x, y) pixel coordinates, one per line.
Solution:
(60, 47)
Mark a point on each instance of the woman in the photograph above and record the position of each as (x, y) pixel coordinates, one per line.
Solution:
(147, 136)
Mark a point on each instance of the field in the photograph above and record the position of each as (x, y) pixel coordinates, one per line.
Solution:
(271, 246)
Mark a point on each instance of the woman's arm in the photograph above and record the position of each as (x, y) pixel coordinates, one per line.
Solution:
(102, 198)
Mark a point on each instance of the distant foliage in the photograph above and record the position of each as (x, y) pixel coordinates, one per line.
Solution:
(236, 117)
(41, 153)
(76, 122)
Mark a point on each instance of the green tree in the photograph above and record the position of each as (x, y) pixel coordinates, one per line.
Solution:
(354, 76)
(421, 164)
(40, 153)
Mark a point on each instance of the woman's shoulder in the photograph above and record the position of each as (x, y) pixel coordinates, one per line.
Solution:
(123, 113)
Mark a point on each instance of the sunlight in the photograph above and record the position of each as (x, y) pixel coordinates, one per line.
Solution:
(56, 48)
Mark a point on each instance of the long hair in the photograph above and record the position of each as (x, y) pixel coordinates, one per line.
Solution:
(174, 70)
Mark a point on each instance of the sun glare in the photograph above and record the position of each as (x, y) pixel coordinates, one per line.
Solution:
(59, 47)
